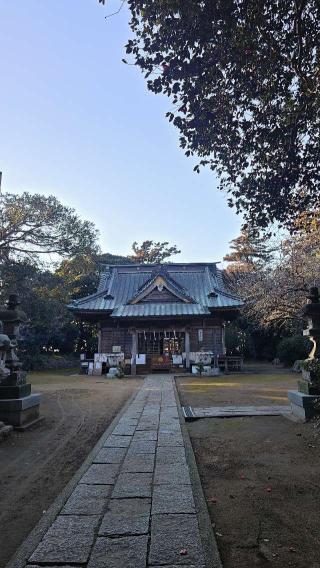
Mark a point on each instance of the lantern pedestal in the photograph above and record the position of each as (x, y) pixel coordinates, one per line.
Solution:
(18, 407)
(20, 412)
(304, 406)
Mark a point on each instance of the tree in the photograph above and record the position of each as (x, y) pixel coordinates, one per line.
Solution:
(251, 257)
(244, 81)
(249, 251)
(77, 277)
(50, 324)
(151, 252)
(33, 225)
(275, 293)
(279, 295)
(108, 258)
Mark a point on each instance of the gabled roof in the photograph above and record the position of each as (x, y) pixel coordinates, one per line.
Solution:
(196, 289)
(160, 280)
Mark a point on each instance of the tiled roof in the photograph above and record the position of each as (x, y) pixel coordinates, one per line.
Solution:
(202, 283)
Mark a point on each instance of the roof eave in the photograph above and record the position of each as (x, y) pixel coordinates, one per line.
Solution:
(89, 312)
(162, 317)
(224, 308)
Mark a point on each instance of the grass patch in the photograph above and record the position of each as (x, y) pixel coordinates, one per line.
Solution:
(53, 376)
(241, 380)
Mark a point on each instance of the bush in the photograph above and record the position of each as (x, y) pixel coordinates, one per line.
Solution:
(292, 348)
(48, 362)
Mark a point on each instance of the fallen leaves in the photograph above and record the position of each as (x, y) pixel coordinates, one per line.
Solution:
(183, 552)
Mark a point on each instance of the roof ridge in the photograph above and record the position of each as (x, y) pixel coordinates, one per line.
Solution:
(111, 280)
(226, 293)
(160, 264)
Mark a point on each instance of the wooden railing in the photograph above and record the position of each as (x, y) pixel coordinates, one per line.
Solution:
(229, 362)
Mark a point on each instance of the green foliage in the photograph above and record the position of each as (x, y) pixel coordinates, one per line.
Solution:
(237, 340)
(111, 259)
(32, 225)
(77, 277)
(152, 252)
(243, 78)
(50, 325)
(120, 370)
(246, 337)
(200, 368)
(39, 362)
(292, 348)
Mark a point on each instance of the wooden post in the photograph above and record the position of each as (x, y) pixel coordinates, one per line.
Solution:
(187, 348)
(99, 339)
(223, 339)
(134, 353)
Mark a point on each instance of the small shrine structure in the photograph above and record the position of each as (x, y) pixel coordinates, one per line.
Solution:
(160, 317)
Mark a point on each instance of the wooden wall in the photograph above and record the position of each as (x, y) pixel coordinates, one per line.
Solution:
(160, 297)
(212, 338)
(113, 336)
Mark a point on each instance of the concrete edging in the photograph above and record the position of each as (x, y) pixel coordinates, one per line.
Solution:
(20, 557)
(208, 539)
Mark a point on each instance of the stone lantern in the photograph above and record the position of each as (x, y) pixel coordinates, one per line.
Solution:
(305, 402)
(18, 406)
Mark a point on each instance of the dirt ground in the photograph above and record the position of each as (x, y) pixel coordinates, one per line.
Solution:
(36, 465)
(262, 385)
(260, 475)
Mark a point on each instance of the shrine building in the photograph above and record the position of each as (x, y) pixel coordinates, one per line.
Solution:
(159, 317)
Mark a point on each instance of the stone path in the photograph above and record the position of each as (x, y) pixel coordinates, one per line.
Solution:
(134, 506)
(192, 413)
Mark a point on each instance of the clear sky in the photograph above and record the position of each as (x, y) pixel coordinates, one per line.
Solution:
(78, 123)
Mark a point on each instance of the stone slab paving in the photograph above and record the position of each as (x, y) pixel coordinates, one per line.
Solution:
(225, 411)
(134, 506)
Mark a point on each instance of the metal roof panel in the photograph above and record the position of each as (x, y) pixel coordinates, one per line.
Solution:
(119, 284)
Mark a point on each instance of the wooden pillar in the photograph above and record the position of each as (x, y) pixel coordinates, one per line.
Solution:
(99, 339)
(187, 348)
(223, 339)
(134, 353)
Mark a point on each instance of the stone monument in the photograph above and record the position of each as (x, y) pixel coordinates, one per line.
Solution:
(18, 406)
(305, 402)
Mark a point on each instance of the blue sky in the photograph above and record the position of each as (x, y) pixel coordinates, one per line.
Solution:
(78, 123)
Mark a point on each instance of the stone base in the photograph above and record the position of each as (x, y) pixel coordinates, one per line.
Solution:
(21, 413)
(16, 377)
(304, 406)
(16, 391)
(306, 387)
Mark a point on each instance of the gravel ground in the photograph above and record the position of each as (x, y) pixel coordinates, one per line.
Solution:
(36, 465)
(260, 475)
